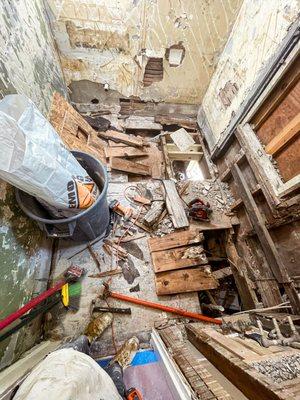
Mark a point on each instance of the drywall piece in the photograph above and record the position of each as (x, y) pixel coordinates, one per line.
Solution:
(183, 140)
(257, 34)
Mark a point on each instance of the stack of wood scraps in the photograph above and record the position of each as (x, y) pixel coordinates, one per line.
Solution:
(180, 263)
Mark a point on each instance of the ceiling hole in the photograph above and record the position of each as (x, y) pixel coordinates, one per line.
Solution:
(95, 101)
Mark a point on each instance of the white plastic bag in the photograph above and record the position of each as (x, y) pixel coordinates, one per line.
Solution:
(34, 159)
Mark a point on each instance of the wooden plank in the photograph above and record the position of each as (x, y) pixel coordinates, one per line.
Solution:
(260, 163)
(289, 132)
(236, 348)
(74, 131)
(130, 167)
(176, 239)
(187, 156)
(152, 215)
(126, 152)
(252, 383)
(123, 138)
(174, 206)
(184, 280)
(222, 273)
(168, 166)
(239, 271)
(274, 260)
(180, 257)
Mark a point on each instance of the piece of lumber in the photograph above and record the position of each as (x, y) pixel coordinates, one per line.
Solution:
(185, 122)
(168, 166)
(142, 200)
(153, 214)
(222, 273)
(184, 280)
(130, 167)
(181, 192)
(289, 132)
(122, 137)
(131, 238)
(180, 257)
(74, 131)
(176, 239)
(103, 274)
(126, 152)
(174, 206)
(252, 383)
(273, 258)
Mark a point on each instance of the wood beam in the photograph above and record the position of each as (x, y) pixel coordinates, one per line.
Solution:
(288, 133)
(272, 256)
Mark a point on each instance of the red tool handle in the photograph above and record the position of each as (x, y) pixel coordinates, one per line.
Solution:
(31, 304)
(173, 310)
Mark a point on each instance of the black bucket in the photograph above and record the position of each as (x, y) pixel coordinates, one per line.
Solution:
(85, 226)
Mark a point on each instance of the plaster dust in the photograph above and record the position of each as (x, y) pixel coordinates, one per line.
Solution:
(111, 42)
(141, 321)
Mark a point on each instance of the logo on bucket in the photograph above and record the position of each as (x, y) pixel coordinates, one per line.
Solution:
(82, 192)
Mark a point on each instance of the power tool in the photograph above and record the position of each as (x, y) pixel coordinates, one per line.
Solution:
(133, 394)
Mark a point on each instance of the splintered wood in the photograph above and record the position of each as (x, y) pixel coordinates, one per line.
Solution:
(174, 206)
(173, 256)
(260, 373)
(204, 384)
(130, 167)
(184, 281)
(75, 132)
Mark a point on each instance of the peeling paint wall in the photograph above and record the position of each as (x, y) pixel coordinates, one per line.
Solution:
(29, 64)
(257, 34)
(111, 42)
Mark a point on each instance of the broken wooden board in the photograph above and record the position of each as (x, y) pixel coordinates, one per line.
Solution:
(126, 152)
(180, 257)
(222, 273)
(235, 358)
(176, 239)
(123, 138)
(174, 206)
(184, 280)
(152, 215)
(130, 167)
(74, 131)
(205, 383)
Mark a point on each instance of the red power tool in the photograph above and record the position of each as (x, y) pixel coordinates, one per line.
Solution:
(200, 210)
(133, 394)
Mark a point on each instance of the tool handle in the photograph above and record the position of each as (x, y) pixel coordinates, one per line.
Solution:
(31, 304)
(173, 310)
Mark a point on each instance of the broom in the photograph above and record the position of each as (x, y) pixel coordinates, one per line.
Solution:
(71, 294)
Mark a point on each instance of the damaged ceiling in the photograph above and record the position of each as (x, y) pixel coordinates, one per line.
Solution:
(112, 42)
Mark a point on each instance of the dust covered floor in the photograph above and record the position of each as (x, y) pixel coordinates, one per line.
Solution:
(137, 277)
(137, 280)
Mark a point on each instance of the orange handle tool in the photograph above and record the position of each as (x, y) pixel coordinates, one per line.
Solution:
(173, 310)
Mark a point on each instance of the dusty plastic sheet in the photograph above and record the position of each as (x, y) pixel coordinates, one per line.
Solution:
(68, 374)
(34, 159)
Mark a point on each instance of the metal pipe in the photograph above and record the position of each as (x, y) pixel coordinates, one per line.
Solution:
(162, 307)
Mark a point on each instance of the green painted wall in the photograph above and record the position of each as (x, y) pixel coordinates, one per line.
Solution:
(29, 65)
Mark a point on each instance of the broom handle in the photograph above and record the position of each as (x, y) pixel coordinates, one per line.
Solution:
(173, 310)
(31, 304)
